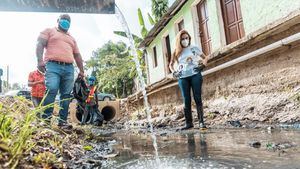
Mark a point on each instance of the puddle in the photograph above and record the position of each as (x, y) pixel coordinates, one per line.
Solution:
(215, 148)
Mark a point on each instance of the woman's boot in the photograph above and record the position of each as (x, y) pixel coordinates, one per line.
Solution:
(188, 119)
(200, 117)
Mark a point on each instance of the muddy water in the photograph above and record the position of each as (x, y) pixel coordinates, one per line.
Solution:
(214, 148)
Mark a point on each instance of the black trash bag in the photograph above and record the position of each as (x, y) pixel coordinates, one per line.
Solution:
(97, 118)
(80, 91)
(86, 113)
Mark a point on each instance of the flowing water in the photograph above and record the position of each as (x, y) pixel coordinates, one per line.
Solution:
(140, 76)
(213, 149)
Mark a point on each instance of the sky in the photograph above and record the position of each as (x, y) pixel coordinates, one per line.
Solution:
(19, 32)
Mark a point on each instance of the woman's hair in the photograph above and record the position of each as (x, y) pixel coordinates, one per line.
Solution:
(178, 47)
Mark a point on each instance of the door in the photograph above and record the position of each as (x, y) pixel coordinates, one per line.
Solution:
(203, 28)
(233, 21)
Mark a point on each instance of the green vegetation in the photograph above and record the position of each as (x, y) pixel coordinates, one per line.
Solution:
(113, 67)
(26, 140)
(159, 8)
(113, 64)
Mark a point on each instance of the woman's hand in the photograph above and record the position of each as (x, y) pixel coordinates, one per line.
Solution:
(205, 60)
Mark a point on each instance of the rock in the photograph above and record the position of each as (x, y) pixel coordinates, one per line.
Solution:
(161, 125)
(163, 134)
(179, 110)
(255, 144)
(250, 109)
(78, 131)
(270, 128)
(285, 145)
(109, 155)
(235, 123)
(296, 125)
(280, 146)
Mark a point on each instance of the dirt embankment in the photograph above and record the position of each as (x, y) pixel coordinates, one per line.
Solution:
(261, 106)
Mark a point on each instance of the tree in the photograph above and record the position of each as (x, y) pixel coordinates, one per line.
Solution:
(112, 65)
(159, 8)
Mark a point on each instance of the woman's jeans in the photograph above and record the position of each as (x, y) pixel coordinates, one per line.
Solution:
(185, 84)
(58, 78)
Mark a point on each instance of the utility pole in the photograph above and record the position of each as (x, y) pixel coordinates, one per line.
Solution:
(7, 76)
(1, 73)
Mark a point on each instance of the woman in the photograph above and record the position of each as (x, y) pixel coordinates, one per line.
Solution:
(191, 61)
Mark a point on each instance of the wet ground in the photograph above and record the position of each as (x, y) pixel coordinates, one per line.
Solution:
(213, 148)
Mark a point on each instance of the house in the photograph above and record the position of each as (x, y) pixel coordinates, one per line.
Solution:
(239, 35)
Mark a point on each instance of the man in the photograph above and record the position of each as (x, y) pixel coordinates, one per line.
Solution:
(61, 51)
(36, 81)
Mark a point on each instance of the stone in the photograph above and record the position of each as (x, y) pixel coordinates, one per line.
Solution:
(235, 123)
(255, 144)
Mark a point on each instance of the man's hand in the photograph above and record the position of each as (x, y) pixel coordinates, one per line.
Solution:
(81, 74)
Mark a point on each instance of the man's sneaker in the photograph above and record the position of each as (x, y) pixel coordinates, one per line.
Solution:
(202, 126)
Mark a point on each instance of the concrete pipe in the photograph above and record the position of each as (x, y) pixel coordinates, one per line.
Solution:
(109, 109)
(108, 112)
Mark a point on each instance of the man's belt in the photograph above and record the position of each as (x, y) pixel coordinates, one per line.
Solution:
(60, 63)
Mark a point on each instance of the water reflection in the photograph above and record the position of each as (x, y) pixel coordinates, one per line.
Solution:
(212, 149)
(191, 145)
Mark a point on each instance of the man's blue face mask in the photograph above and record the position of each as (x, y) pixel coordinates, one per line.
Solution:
(64, 24)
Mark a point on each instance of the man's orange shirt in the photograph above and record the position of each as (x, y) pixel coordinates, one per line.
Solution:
(37, 90)
(60, 47)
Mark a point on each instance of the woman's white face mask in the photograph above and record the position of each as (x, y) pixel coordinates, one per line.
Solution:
(185, 43)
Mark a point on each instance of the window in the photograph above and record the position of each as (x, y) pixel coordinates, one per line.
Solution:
(154, 57)
(167, 53)
(180, 25)
(233, 21)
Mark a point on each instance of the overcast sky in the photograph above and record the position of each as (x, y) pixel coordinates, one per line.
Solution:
(19, 31)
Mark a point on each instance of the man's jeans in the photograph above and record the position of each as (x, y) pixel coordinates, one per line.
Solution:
(58, 78)
(185, 84)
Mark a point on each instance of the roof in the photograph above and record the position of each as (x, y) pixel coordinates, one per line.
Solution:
(77, 6)
(164, 20)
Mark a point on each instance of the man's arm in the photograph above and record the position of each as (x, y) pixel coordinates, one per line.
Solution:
(41, 44)
(79, 63)
(32, 83)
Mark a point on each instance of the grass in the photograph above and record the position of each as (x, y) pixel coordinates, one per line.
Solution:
(18, 126)
(27, 143)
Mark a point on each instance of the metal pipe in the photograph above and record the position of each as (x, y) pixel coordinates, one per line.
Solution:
(255, 53)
